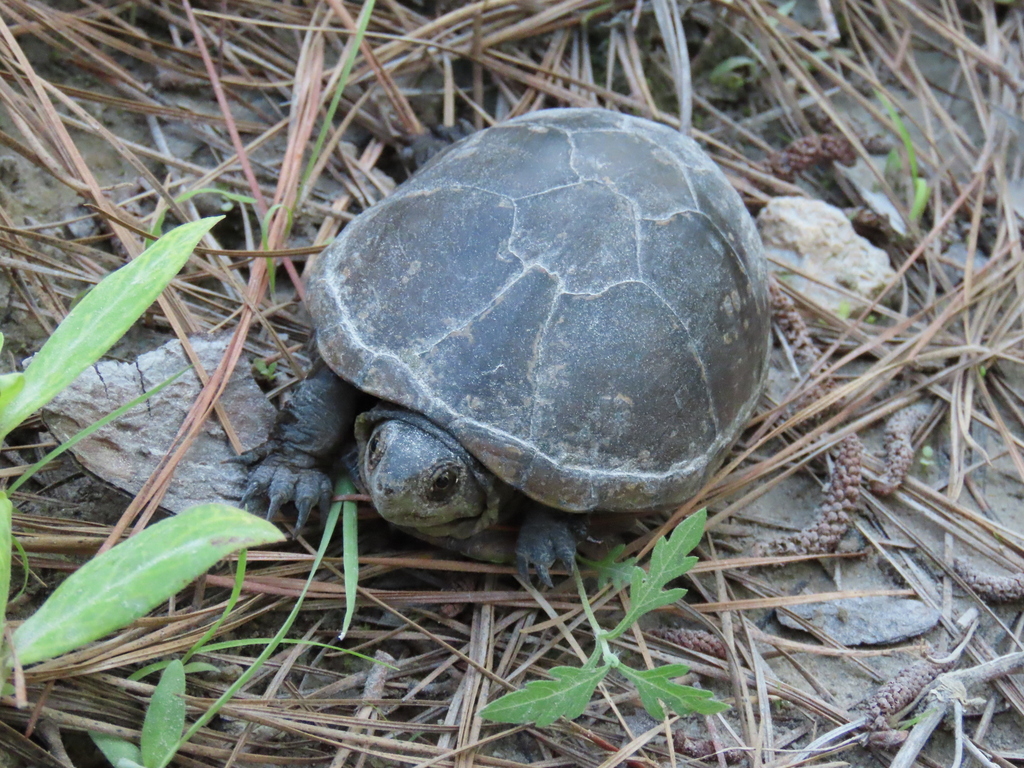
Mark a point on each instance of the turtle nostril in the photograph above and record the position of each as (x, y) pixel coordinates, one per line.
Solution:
(385, 490)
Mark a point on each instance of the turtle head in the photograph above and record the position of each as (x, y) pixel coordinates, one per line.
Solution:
(420, 478)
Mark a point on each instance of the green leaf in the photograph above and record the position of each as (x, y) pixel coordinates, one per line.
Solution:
(655, 687)
(611, 572)
(349, 551)
(544, 701)
(921, 194)
(901, 129)
(668, 562)
(6, 510)
(114, 589)
(10, 385)
(236, 591)
(118, 751)
(149, 669)
(726, 74)
(165, 718)
(100, 319)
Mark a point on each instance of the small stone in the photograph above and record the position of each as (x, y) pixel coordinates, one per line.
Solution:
(126, 452)
(83, 223)
(866, 620)
(818, 239)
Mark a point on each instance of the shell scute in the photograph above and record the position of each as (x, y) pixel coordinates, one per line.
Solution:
(390, 272)
(713, 293)
(485, 370)
(603, 391)
(633, 165)
(546, 151)
(594, 220)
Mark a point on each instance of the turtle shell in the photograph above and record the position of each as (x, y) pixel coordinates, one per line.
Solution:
(578, 296)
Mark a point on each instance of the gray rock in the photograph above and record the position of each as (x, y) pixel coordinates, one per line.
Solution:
(865, 620)
(126, 452)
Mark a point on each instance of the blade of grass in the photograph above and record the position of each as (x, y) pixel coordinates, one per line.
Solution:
(350, 551)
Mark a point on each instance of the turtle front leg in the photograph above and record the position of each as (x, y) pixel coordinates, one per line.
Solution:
(548, 535)
(308, 434)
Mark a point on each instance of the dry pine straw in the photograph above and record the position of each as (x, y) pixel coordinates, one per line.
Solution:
(272, 68)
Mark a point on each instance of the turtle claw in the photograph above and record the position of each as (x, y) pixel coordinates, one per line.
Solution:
(311, 489)
(545, 537)
(283, 477)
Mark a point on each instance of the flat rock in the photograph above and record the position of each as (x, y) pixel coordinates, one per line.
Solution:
(126, 452)
(818, 240)
(865, 620)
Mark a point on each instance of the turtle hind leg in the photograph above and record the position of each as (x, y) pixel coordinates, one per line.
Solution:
(548, 535)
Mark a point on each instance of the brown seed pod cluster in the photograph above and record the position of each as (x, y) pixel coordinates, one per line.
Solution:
(694, 639)
(460, 582)
(805, 351)
(809, 151)
(704, 749)
(793, 327)
(889, 739)
(899, 450)
(900, 692)
(994, 589)
(833, 520)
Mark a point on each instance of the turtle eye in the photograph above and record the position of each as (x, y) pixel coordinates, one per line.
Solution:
(443, 483)
(374, 451)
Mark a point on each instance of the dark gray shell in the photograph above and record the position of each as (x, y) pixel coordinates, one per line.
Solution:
(578, 296)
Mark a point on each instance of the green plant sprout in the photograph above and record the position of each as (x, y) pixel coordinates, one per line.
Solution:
(727, 73)
(919, 186)
(227, 202)
(570, 691)
(263, 369)
(927, 456)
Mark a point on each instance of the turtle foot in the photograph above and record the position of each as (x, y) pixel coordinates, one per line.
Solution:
(284, 476)
(548, 535)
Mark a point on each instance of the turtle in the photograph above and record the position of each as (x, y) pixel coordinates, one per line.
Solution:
(561, 314)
